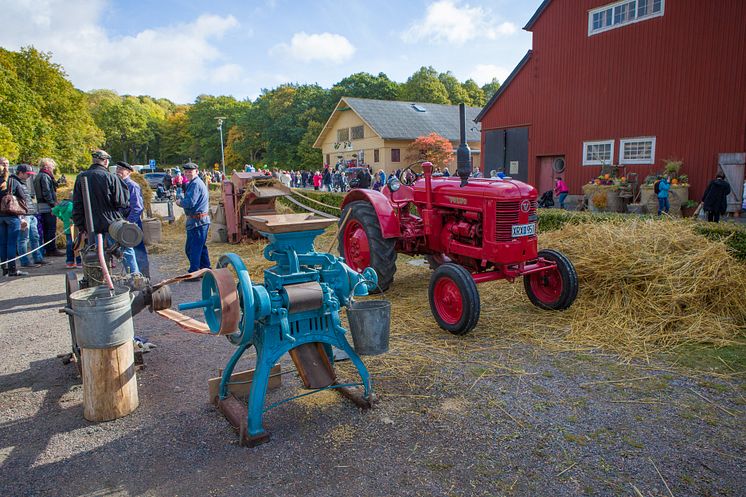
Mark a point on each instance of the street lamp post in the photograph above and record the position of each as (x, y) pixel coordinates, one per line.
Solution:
(222, 152)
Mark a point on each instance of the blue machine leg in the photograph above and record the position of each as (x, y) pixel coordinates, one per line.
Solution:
(257, 393)
(228, 371)
(361, 369)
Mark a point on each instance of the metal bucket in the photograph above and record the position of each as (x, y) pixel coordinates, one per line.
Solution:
(370, 323)
(102, 320)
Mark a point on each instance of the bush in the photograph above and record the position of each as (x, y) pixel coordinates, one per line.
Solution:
(734, 236)
(328, 198)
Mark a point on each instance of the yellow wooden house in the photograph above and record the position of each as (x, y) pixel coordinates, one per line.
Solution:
(378, 132)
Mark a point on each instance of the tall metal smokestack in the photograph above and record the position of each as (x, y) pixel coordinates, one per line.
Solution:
(463, 154)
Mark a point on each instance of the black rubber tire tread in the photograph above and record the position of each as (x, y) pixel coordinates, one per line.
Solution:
(469, 297)
(569, 282)
(382, 250)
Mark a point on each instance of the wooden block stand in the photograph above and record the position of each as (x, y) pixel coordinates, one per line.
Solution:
(109, 382)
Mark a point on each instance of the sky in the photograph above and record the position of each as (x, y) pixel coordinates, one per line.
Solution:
(181, 49)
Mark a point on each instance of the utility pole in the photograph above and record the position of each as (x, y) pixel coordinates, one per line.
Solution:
(222, 152)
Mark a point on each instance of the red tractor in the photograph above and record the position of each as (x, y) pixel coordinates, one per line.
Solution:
(471, 230)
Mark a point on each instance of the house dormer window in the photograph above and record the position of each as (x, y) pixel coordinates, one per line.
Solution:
(622, 13)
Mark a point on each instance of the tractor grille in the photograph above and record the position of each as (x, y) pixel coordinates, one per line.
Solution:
(506, 215)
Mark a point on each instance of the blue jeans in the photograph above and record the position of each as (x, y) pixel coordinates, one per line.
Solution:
(10, 229)
(128, 256)
(663, 205)
(69, 252)
(195, 248)
(141, 254)
(28, 239)
(562, 197)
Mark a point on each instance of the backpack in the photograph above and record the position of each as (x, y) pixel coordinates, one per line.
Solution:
(657, 187)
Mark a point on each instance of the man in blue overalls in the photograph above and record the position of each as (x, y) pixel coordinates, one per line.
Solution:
(196, 206)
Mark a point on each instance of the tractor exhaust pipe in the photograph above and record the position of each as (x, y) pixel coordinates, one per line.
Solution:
(463, 154)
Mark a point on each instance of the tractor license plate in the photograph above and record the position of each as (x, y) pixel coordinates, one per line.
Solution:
(524, 230)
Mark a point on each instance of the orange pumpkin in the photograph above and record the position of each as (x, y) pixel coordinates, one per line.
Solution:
(623, 179)
(607, 176)
(675, 181)
(598, 181)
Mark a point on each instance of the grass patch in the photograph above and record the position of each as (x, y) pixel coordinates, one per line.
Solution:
(728, 359)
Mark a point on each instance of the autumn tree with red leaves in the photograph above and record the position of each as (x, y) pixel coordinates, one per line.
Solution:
(433, 148)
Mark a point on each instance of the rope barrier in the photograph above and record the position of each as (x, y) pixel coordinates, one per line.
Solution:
(316, 201)
(309, 209)
(32, 251)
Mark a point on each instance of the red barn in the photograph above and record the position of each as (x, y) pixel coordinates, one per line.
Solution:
(632, 83)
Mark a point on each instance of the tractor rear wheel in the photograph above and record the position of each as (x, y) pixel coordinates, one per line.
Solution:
(362, 245)
(554, 289)
(454, 299)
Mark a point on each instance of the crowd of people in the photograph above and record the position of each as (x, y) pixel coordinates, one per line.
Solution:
(30, 208)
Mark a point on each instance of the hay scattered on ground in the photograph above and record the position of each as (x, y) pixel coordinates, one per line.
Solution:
(645, 287)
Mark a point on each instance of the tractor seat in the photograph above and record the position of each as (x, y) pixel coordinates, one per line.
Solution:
(402, 196)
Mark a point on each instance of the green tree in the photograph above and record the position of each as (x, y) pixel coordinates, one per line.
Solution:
(205, 146)
(491, 88)
(476, 94)
(365, 85)
(424, 86)
(8, 148)
(45, 113)
(176, 141)
(456, 93)
(308, 157)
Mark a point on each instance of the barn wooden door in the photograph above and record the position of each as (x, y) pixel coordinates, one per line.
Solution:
(733, 167)
(546, 175)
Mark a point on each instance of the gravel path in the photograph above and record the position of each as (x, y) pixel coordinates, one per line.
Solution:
(560, 424)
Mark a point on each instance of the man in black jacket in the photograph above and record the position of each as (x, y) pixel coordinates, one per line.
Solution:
(108, 195)
(45, 187)
(716, 197)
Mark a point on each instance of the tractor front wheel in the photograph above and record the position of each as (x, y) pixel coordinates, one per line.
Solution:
(362, 245)
(454, 299)
(554, 289)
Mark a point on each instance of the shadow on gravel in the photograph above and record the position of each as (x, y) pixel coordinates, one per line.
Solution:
(8, 306)
(30, 436)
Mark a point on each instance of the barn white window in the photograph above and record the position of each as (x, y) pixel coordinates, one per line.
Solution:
(598, 153)
(637, 150)
(622, 13)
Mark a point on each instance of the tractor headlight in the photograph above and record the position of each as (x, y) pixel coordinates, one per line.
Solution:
(394, 184)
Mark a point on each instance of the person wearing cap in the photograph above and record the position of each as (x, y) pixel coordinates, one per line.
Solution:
(134, 212)
(28, 239)
(45, 187)
(109, 196)
(196, 204)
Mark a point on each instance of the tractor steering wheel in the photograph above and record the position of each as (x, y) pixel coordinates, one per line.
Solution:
(403, 175)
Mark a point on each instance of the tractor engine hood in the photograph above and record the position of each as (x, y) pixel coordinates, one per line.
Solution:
(447, 191)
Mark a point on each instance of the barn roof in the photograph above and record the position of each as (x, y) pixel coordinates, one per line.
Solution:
(404, 120)
(503, 86)
(530, 24)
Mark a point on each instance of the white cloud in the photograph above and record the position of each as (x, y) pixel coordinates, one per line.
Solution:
(483, 73)
(170, 61)
(446, 21)
(324, 47)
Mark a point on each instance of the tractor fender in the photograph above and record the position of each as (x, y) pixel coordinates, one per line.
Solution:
(384, 210)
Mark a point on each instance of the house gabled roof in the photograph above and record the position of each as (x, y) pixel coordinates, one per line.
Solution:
(403, 120)
(530, 24)
(503, 86)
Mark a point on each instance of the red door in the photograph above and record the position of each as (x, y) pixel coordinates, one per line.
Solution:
(549, 169)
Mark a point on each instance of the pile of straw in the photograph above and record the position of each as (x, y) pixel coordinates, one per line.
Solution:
(645, 287)
(650, 285)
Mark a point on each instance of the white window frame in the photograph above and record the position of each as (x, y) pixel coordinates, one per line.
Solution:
(651, 160)
(598, 162)
(626, 22)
